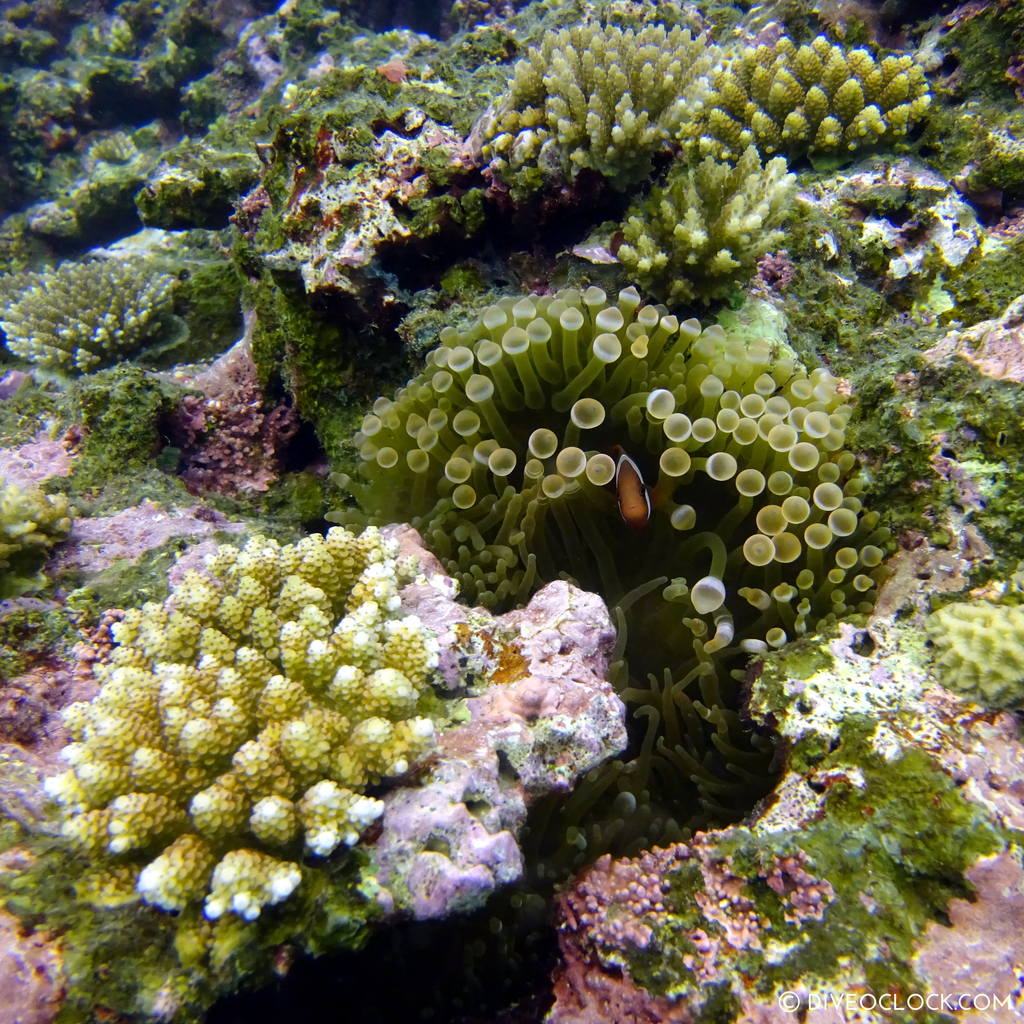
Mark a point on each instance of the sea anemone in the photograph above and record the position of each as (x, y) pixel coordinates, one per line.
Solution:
(516, 449)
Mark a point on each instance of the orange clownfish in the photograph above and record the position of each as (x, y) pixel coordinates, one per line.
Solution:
(631, 493)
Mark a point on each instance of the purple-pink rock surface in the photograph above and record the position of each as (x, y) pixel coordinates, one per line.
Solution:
(543, 715)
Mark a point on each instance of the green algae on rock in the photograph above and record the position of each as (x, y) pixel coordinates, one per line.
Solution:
(195, 184)
(817, 99)
(82, 316)
(980, 651)
(499, 453)
(119, 412)
(339, 215)
(701, 233)
(986, 45)
(126, 66)
(603, 99)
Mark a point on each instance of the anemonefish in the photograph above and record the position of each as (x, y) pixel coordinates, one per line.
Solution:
(631, 493)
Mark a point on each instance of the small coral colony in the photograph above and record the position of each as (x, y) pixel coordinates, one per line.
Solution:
(634, 415)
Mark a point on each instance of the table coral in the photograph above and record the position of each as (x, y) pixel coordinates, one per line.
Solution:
(603, 99)
(816, 98)
(81, 316)
(239, 723)
(498, 452)
(697, 236)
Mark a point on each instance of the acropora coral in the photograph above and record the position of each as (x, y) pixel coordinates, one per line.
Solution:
(223, 809)
(31, 522)
(503, 451)
(240, 722)
(703, 232)
(599, 98)
(81, 316)
(817, 98)
(979, 650)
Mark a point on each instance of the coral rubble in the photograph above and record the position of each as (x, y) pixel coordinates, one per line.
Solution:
(30, 969)
(337, 222)
(995, 348)
(549, 715)
(975, 951)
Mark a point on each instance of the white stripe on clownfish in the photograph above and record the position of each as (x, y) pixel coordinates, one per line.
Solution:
(631, 493)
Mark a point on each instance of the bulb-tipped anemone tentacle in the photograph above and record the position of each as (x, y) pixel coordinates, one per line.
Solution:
(719, 447)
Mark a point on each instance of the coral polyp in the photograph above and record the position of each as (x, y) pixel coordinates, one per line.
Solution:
(501, 453)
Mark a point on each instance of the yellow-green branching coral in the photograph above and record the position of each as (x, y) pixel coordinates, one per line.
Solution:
(817, 98)
(82, 316)
(602, 98)
(979, 651)
(239, 722)
(31, 522)
(706, 228)
(505, 451)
